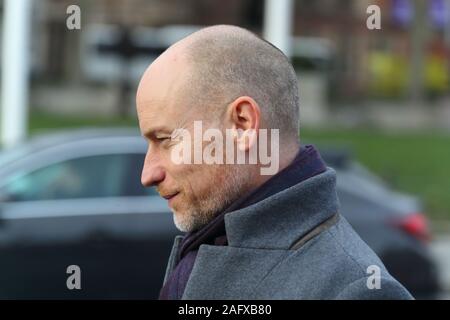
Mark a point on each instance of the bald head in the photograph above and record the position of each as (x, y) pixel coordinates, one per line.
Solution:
(229, 62)
(221, 63)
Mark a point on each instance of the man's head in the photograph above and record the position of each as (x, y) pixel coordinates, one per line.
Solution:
(229, 79)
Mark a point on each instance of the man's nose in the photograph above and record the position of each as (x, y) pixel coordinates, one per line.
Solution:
(152, 173)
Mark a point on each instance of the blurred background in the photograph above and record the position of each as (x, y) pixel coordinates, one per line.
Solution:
(376, 102)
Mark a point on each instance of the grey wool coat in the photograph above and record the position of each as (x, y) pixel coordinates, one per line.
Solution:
(291, 245)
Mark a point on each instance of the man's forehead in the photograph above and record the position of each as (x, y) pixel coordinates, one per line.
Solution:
(153, 120)
(162, 123)
(154, 109)
(157, 115)
(162, 96)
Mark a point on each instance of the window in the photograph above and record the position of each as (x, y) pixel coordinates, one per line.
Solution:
(133, 186)
(89, 177)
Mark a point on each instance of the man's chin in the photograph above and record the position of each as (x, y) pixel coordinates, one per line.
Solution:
(186, 222)
(180, 221)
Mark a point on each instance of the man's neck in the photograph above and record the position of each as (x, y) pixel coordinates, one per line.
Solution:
(286, 155)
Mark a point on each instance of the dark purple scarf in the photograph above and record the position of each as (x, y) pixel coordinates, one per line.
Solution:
(306, 164)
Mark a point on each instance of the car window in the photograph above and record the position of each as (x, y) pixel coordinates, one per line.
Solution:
(86, 177)
(132, 180)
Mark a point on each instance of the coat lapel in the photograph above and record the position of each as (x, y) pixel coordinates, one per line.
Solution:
(230, 273)
(278, 221)
(173, 256)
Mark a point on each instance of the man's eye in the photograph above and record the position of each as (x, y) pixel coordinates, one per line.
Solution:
(163, 139)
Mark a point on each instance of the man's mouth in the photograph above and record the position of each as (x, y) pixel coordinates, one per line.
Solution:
(169, 196)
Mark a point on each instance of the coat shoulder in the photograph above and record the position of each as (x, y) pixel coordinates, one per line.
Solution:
(366, 289)
(336, 264)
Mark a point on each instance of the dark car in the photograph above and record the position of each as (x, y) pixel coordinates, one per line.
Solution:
(75, 198)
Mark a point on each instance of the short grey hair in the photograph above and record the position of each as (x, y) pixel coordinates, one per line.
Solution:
(230, 62)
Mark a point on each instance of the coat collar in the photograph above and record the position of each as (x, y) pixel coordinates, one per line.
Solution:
(306, 164)
(279, 220)
(259, 238)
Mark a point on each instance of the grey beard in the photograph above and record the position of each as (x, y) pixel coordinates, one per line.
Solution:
(235, 185)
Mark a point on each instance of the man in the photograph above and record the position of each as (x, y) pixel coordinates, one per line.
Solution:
(249, 235)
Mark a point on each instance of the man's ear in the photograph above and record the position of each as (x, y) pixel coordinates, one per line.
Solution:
(245, 117)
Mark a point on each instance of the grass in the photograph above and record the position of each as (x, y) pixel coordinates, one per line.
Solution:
(45, 121)
(414, 162)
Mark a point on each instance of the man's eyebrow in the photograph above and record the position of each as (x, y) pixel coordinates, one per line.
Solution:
(177, 124)
(151, 133)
